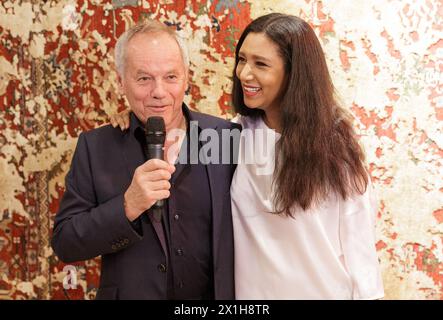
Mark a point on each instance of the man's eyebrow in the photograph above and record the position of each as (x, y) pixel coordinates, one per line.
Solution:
(172, 71)
(142, 72)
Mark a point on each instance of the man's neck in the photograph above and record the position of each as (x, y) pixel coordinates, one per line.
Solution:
(177, 123)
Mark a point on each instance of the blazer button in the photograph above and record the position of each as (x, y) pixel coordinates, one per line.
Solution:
(114, 247)
(179, 252)
(161, 267)
(176, 217)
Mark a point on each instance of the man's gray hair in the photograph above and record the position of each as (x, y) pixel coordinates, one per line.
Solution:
(148, 26)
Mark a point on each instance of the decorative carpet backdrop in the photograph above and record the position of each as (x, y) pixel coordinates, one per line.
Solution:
(57, 80)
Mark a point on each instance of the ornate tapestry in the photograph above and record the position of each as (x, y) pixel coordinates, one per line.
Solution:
(58, 79)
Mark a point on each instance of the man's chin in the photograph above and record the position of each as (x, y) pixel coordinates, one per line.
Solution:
(144, 117)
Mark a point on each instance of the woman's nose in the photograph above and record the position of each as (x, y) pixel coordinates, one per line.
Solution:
(245, 73)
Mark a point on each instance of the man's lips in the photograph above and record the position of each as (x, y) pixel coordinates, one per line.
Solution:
(157, 108)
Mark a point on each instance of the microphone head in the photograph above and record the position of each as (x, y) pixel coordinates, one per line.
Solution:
(155, 130)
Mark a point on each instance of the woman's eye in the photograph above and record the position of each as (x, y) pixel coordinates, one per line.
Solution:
(261, 64)
(241, 59)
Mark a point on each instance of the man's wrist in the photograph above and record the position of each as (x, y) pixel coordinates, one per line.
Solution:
(128, 211)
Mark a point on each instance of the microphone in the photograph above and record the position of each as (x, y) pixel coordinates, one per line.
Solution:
(155, 133)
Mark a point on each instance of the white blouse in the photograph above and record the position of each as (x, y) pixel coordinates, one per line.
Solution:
(326, 252)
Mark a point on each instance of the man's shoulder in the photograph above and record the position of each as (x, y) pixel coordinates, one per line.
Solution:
(104, 135)
(103, 132)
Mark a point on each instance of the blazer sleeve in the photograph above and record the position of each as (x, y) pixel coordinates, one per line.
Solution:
(84, 228)
(357, 237)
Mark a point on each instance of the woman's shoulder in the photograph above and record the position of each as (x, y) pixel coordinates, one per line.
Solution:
(237, 119)
(361, 201)
(247, 121)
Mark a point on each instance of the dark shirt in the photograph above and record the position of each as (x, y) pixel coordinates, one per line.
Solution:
(187, 224)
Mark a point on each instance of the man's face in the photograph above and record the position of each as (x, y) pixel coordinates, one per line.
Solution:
(155, 78)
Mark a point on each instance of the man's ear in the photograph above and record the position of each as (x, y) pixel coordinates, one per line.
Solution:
(120, 84)
(188, 86)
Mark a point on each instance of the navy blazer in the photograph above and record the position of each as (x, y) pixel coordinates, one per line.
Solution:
(91, 219)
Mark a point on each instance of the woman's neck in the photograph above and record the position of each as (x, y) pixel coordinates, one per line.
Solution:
(272, 120)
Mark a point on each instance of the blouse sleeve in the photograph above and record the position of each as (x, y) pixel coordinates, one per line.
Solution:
(357, 237)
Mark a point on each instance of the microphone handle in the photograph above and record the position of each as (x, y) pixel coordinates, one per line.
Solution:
(155, 151)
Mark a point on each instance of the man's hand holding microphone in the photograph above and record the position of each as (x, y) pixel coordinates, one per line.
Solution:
(150, 183)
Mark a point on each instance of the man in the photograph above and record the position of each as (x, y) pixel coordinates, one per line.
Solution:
(110, 188)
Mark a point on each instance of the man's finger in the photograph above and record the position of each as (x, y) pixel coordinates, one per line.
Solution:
(155, 164)
(160, 194)
(113, 121)
(157, 175)
(121, 122)
(126, 119)
(159, 185)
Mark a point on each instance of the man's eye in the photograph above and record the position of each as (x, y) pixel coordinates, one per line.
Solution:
(172, 77)
(143, 79)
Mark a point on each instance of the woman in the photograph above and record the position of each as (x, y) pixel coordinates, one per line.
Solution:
(304, 230)
(313, 237)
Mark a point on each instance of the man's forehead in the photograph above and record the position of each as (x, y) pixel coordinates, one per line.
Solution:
(156, 39)
(142, 70)
(147, 63)
(157, 47)
(154, 66)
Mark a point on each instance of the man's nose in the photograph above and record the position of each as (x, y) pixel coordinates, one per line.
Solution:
(158, 91)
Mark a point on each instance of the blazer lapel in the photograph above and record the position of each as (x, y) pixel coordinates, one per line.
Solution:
(217, 207)
(132, 153)
(214, 184)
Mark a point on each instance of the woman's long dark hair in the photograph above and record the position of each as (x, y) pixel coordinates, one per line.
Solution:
(318, 152)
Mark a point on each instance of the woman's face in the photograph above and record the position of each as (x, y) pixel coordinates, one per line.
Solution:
(261, 71)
